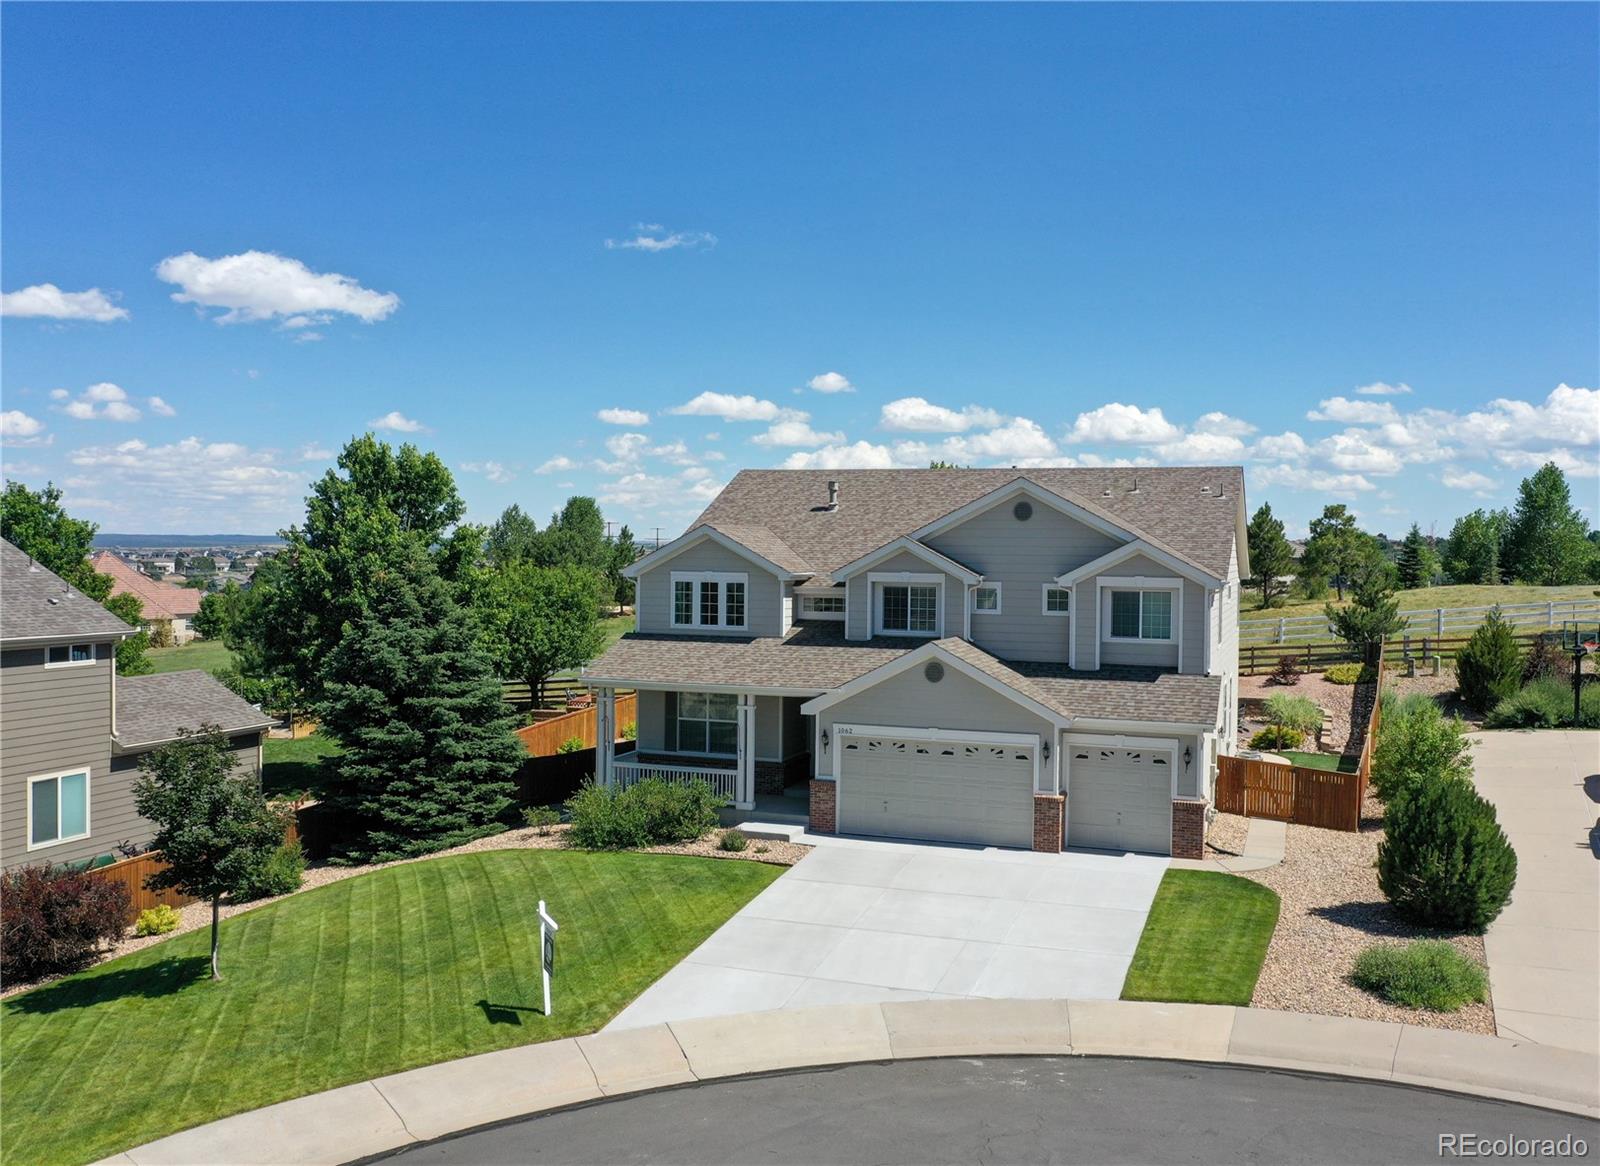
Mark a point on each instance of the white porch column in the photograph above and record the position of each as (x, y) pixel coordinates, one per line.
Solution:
(605, 734)
(745, 783)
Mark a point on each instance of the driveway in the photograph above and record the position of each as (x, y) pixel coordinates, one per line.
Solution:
(859, 921)
(1544, 950)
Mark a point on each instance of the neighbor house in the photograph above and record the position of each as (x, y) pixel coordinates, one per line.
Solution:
(1026, 658)
(73, 733)
(168, 610)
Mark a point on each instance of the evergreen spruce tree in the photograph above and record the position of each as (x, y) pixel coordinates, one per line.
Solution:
(1489, 668)
(1413, 561)
(1373, 613)
(1271, 557)
(429, 753)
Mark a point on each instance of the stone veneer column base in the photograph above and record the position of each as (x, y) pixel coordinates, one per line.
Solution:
(1188, 828)
(823, 820)
(1049, 811)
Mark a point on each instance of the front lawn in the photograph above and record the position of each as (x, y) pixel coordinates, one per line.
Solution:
(408, 965)
(206, 655)
(293, 767)
(1204, 941)
(1328, 761)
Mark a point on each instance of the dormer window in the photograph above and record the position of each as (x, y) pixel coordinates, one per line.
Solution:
(709, 599)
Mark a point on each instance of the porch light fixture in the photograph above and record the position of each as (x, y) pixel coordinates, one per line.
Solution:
(1044, 752)
(1188, 756)
(824, 740)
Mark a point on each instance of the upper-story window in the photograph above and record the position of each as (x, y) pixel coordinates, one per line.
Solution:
(1141, 615)
(986, 599)
(1057, 600)
(908, 605)
(62, 655)
(709, 599)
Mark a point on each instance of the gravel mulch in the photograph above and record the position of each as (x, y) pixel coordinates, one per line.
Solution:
(1332, 911)
(1337, 700)
(198, 915)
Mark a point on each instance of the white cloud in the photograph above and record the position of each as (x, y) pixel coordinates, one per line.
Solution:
(47, 301)
(730, 407)
(557, 464)
(1300, 478)
(99, 402)
(17, 428)
(494, 471)
(1569, 461)
(624, 416)
(860, 455)
(160, 407)
(680, 495)
(314, 452)
(306, 337)
(796, 430)
(1353, 412)
(258, 285)
(653, 237)
(830, 382)
(1223, 425)
(1354, 450)
(1280, 447)
(917, 415)
(1120, 424)
(1568, 416)
(193, 483)
(397, 422)
(1379, 389)
(1201, 449)
(1454, 478)
(1013, 442)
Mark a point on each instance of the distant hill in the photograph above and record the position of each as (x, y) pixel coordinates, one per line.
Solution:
(109, 538)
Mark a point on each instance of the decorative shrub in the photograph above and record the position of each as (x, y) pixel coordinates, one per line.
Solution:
(645, 814)
(54, 920)
(1350, 674)
(1275, 737)
(1444, 861)
(1546, 659)
(1287, 672)
(157, 920)
(280, 874)
(1294, 712)
(1429, 974)
(541, 818)
(630, 731)
(571, 745)
(1312, 586)
(733, 841)
(1417, 742)
(1489, 667)
(1546, 704)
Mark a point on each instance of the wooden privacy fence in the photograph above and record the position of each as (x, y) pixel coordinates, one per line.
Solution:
(545, 738)
(131, 873)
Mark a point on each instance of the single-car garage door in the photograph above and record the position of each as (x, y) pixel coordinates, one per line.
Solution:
(1119, 799)
(942, 790)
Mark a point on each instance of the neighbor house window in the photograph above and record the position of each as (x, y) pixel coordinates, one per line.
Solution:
(986, 599)
(708, 722)
(909, 608)
(1057, 600)
(61, 654)
(1141, 615)
(58, 808)
(708, 599)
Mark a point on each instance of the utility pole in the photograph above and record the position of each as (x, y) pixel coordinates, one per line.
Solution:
(658, 538)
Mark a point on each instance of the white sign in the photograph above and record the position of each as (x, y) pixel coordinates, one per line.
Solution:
(547, 950)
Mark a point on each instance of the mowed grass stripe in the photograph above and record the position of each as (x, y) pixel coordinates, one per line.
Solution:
(367, 976)
(1204, 940)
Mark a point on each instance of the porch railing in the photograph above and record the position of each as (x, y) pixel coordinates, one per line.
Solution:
(723, 781)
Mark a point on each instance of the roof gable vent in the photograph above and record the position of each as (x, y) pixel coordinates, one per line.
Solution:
(1023, 510)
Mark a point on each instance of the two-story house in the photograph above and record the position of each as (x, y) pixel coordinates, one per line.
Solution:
(167, 610)
(73, 733)
(1027, 658)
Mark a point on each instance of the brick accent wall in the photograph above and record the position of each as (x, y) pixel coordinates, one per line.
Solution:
(772, 776)
(823, 803)
(1049, 810)
(1188, 828)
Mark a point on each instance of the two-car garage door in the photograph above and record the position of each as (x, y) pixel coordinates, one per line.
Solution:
(1119, 799)
(942, 790)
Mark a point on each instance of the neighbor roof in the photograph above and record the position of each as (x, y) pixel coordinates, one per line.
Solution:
(1191, 510)
(152, 709)
(36, 604)
(160, 600)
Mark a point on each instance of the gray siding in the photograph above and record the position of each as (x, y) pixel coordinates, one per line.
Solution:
(1091, 622)
(763, 599)
(860, 606)
(910, 700)
(1022, 557)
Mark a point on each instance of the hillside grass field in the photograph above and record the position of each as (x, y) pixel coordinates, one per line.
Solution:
(1462, 595)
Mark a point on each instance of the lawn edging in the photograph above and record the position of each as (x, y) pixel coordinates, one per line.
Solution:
(441, 1100)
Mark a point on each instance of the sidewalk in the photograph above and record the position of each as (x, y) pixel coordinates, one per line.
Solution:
(370, 1118)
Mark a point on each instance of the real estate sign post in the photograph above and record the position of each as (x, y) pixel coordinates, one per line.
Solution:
(547, 950)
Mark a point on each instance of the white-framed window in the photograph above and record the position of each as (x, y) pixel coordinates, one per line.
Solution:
(907, 604)
(58, 808)
(708, 722)
(1141, 615)
(986, 599)
(709, 599)
(1057, 600)
(68, 655)
(822, 606)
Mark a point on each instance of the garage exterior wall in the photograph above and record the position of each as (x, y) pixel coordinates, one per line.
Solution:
(763, 596)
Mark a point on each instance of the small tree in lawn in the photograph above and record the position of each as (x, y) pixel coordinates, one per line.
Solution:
(1271, 557)
(214, 828)
(1489, 668)
(1373, 613)
(429, 752)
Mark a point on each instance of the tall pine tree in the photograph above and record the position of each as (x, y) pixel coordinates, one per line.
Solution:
(1271, 557)
(429, 753)
(1412, 563)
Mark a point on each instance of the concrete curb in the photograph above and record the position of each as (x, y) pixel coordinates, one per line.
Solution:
(359, 1121)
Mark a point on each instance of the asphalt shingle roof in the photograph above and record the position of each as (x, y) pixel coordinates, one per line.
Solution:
(160, 600)
(158, 708)
(764, 543)
(1189, 510)
(37, 604)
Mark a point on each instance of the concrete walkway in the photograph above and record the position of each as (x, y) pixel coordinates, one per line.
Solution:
(1544, 949)
(391, 1112)
(1264, 844)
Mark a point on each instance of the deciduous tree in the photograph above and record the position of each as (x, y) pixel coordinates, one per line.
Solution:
(1547, 539)
(537, 620)
(1336, 546)
(1472, 551)
(35, 523)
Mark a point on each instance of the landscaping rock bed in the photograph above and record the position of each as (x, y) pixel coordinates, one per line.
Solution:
(1337, 700)
(1332, 910)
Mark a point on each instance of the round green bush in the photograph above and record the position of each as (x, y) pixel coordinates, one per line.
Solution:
(1350, 674)
(281, 874)
(1547, 704)
(1444, 861)
(1418, 743)
(1428, 974)
(1275, 737)
(734, 841)
(157, 920)
(541, 818)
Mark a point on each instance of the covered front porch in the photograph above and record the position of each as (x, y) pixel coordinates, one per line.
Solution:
(748, 746)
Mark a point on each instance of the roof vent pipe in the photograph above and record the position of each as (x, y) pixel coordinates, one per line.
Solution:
(833, 494)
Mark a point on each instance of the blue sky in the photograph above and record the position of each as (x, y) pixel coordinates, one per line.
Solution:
(1022, 235)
